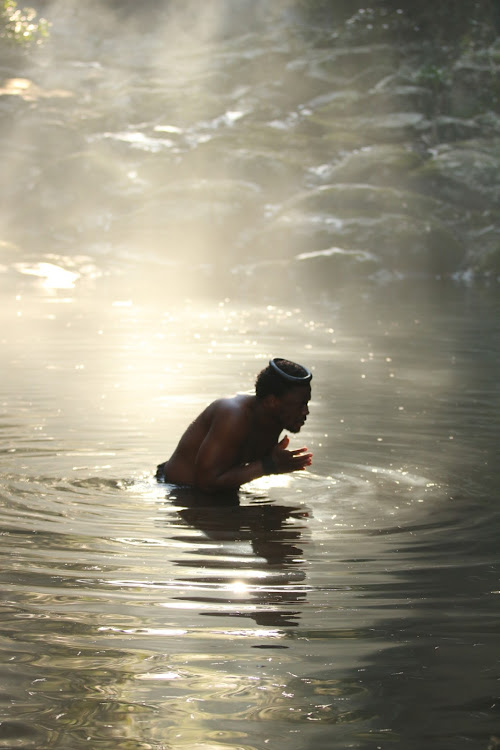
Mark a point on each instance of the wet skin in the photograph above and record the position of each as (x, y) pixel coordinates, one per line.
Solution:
(224, 446)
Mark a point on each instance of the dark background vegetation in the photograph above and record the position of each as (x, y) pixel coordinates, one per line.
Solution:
(443, 21)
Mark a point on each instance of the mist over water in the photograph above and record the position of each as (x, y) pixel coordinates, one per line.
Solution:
(186, 192)
(235, 147)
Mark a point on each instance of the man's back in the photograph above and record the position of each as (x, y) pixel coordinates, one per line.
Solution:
(181, 467)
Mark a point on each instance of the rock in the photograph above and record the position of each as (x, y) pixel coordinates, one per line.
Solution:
(324, 269)
(344, 63)
(397, 229)
(464, 174)
(29, 91)
(474, 84)
(486, 258)
(349, 199)
(381, 165)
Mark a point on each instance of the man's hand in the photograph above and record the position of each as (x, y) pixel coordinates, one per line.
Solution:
(287, 461)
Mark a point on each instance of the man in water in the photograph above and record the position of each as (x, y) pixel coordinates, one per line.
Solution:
(235, 440)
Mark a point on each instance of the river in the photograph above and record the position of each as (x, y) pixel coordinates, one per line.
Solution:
(353, 605)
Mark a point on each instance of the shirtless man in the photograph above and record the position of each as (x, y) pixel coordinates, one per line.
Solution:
(235, 440)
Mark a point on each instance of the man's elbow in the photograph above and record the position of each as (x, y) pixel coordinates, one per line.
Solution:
(210, 482)
(206, 481)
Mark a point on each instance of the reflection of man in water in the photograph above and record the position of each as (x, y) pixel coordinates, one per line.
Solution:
(268, 585)
(235, 440)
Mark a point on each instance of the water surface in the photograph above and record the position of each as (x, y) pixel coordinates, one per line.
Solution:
(353, 605)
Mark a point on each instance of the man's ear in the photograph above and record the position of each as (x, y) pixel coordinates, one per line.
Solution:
(272, 402)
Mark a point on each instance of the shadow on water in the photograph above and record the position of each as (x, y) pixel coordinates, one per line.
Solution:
(244, 560)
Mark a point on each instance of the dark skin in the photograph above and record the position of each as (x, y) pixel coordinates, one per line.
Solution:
(224, 446)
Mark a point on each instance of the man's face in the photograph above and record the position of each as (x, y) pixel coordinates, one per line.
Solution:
(293, 407)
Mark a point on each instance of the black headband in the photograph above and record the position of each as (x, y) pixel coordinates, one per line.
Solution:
(297, 379)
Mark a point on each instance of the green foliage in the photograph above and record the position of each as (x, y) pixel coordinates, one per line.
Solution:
(433, 77)
(451, 23)
(21, 25)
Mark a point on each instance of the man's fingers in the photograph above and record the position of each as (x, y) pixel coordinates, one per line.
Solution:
(302, 460)
(300, 465)
(299, 451)
(291, 460)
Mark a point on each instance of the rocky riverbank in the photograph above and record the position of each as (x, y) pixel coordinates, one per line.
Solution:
(280, 152)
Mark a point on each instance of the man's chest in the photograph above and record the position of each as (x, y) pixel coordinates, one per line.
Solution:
(257, 445)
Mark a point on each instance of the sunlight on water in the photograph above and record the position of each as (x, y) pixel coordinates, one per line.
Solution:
(131, 612)
(54, 277)
(180, 204)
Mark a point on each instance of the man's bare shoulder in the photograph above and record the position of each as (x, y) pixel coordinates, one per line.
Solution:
(236, 407)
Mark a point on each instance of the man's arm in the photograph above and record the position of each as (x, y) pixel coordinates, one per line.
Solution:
(218, 464)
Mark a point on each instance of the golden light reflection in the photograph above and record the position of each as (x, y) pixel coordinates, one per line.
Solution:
(158, 676)
(238, 587)
(55, 277)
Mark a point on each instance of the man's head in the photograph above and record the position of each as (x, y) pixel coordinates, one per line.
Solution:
(286, 387)
(279, 377)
